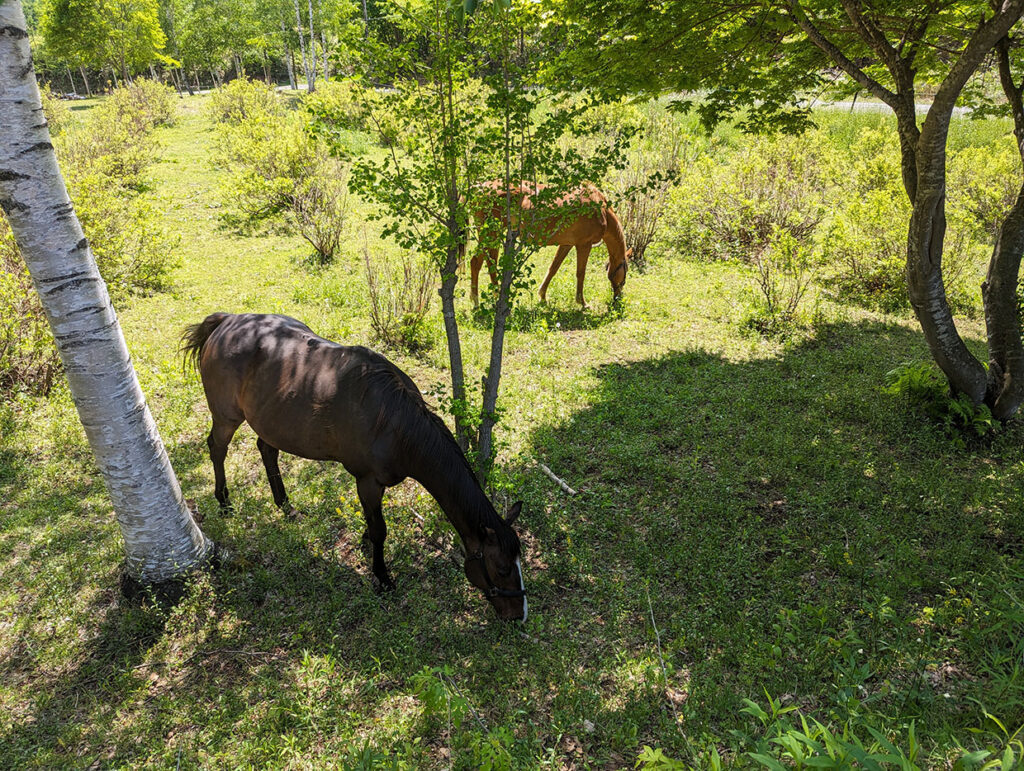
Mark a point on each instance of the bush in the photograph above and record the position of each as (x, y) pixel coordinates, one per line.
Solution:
(865, 244)
(141, 106)
(641, 189)
(281, 172)
(28, 357)
(732, 208)
(103, 161)
(782, 278)
(58, 116)
(242, 100)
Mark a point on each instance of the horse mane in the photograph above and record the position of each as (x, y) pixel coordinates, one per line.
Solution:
(424, 432)
(614, 224)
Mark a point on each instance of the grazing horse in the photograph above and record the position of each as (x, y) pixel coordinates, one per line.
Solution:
(581, 218)
(310, 397)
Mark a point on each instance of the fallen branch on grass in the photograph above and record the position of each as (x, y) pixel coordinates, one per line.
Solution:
(551, 475)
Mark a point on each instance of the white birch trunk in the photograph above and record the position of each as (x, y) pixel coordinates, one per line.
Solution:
(312, 49)
(310, 74)
(162, 540)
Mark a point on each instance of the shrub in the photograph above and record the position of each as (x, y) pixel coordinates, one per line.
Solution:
(103, 161)
(731, 208)
(141, 106)
(400, 293)
(641, 189)
(782, 278)
(281, 172)
(242, 100)
(864, 247)
(28, 357)
(58, 116)
(343, 104)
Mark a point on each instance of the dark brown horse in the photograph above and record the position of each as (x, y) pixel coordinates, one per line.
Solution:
(310, 397)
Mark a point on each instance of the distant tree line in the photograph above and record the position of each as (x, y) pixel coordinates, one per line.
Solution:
(83, 46)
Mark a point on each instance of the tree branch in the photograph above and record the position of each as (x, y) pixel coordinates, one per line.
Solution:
(842, 60)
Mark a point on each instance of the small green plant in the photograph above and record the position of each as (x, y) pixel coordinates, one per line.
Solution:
(922, 385)
(782, 278)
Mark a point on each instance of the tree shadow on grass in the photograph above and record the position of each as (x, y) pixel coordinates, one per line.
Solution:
(780, 522)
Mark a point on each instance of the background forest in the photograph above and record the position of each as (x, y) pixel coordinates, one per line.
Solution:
(792, 546)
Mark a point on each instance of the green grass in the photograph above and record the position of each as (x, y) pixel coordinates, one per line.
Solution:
(785, 527)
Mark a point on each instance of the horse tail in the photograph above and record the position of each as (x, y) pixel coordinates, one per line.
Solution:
(195, 336)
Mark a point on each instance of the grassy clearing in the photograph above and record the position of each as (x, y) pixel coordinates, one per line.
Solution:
(787, 528)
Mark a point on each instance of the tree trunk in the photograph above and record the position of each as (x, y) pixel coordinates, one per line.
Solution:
(488, 416)
(162, 540)
(323, 50)
(88, 91)
(1002, 318)
(288, 57)
(312, 49)
(999, 291)
(74, 88)
(310, 76)
(451, 331)
(366, 21)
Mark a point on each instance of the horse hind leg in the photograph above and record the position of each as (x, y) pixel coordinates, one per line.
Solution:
(270, 456)
(371, 493)
(218, 441)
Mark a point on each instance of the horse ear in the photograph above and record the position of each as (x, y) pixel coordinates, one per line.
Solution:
(513, 512)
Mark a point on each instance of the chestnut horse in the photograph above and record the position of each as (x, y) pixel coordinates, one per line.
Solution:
(581, 218)
(310, 397)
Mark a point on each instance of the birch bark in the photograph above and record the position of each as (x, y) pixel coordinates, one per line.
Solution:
(162, 540)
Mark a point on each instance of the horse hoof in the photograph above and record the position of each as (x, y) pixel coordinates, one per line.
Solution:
(383, 585)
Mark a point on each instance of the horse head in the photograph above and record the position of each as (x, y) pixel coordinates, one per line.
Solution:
(494, 567)
(617, 274)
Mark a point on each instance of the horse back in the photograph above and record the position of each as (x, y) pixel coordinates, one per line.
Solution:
(299, 392)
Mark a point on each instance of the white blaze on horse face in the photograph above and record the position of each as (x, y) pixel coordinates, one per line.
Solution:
(522, 587)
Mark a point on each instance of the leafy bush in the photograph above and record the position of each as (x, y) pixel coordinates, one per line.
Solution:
(400, 293)
(864, 248)
(58, 116)
(28, 357)
(783, 276)
(926, 390)
(343, 104)
(242, 100)
(282, 172)
(641, 189)
(732, 208)
(103, 161)
(141, 106)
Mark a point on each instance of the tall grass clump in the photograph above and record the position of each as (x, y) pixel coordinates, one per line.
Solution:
(400, 291)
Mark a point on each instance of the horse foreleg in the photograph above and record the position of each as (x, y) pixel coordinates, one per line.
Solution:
(582, 255)
(218, 441)
(371, 493)
(270, 456)
(560, 255)
(474, 278)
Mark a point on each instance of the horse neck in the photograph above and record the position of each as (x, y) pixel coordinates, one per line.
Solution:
(614, 239)
(445, 474)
